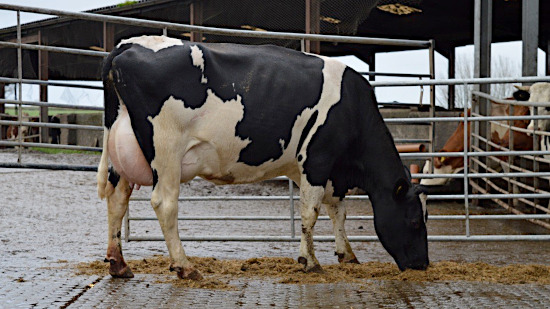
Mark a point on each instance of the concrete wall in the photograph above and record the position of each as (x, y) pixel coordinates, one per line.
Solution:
(82, 137)
(443, 130)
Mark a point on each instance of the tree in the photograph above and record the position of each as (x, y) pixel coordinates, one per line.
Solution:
(501, 66)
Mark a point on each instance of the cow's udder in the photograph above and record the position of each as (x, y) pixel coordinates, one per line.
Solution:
(125, 153)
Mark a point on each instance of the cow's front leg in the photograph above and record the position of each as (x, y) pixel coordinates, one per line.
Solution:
(311, 198)
(337, 213)
(165, 203)
(118, 194)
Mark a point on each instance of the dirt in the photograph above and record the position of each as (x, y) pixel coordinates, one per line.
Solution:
(219, 273)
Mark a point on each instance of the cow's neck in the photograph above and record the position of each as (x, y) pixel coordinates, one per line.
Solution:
(383, 165)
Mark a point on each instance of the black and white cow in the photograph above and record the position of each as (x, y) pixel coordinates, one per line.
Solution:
(238, 114)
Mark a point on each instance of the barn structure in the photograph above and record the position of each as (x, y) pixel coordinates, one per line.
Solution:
(449, 24)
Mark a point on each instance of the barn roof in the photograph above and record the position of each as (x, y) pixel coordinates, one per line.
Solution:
(449, 23)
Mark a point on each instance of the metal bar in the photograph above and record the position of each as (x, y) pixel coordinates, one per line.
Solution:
(53, 125)
(349, 197)
(8, 80)
(393, 74)
(442, 82)
(70, 147)
(465, 172)
(326, 218)
(219, 31)
(127, 225)
(508, 207)
(63, 50)
(56, 167)
(472, 154)
(290, 197)
(412, 140)
(20, 85)
(59, 105)
(350, 238)
(517, 129)
(509, 102)
(460, 119)
(506, 149)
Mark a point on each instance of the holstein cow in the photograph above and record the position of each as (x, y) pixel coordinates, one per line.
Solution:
(238, 114)
(540, 92)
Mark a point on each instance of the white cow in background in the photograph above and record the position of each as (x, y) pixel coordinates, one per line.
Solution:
(540, 92)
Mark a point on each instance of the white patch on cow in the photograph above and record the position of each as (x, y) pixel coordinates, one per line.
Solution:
(152, 42)
(540, 93)
(333, 72)
(198, 61)
(499, 110)
(203, 139)
(445, 169)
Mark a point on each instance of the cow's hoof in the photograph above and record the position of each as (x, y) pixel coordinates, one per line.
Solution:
(187, 273)
(349, 260)
(190, 273)
(312, 269)
(119, 270)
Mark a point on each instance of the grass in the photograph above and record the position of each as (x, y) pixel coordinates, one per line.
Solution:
(125, 3)
(52, 111)
(65, 151)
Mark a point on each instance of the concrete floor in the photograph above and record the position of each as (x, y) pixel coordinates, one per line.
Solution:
(51, 220)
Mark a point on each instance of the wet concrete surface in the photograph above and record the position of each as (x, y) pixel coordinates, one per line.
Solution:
(51, 220)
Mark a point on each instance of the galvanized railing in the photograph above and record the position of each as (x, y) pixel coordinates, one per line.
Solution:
(467, 155)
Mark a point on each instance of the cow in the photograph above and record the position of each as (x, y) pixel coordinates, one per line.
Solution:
(540, 93)
(234, 114)
(499, 135)
(448, 165)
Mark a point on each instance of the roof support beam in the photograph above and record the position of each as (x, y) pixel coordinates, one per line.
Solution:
(483, 32)
(313, 25)
(108, 36)
(196, 19)
(3, 129)
(529, 36)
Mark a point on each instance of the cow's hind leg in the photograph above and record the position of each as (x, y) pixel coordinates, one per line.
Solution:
(165, 203)
(337, 213)
(311, 198)
(118, 194)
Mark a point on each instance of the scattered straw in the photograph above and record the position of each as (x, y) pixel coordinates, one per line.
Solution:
(218, 273)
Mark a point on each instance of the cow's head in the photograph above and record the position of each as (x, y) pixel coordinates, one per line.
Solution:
(400, 223)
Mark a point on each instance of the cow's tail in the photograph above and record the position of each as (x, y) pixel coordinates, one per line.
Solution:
(103, 168)
(110, 113)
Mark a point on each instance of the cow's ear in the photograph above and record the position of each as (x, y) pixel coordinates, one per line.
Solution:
(401, 188)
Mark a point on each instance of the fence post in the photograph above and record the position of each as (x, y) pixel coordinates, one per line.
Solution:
(43, 65)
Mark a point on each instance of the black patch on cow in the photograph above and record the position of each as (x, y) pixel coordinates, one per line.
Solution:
(275, 85)
(306, 130)
(353, 148)
(109, 92)
(114, 177)
(155, 178)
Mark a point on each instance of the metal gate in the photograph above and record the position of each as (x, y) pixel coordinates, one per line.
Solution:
(469, 155)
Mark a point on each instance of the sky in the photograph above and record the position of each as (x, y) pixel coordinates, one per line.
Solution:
(396, 62)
